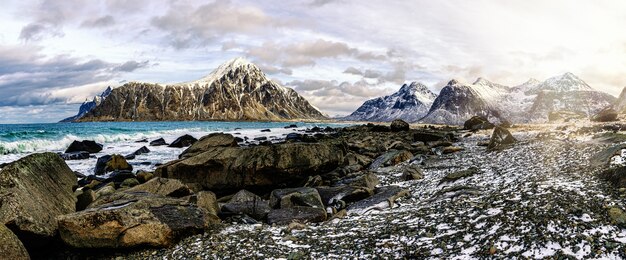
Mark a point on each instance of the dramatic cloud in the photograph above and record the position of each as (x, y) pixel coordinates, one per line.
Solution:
(103, 21)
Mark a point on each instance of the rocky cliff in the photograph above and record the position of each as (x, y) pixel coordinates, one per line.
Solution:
(237, 90)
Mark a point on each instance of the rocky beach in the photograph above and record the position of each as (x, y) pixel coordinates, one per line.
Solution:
(364, 191)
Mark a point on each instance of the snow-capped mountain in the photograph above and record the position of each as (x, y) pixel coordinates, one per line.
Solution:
(620, 103)
(562, 83)
(410, 104)
(236, 90)
(87, 106)
(459, 101)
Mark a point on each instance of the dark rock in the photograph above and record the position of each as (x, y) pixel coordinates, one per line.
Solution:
(82, 155)
(208, 141)
(128, 183)
(615, 175)
(399, 125)
(423, 136)
(144, 176)
(368, 180)
(35, 190)
(391, 158)
(10, 246)
(261, 138)
(285, 216)
(163, 187)
(183, 141)
(134, 220)
(378, 128)
(291, 126)
(158, 142)
(478, 123)
(346, 193)
(109, 163)
(293, 137)
(227, 169)
(500, 138)
(239, 139)
(287, 198)
(266, 130)
(314, 181)
(86, 145)
(85, 198)
(140, 151)
(606, 115)
(617, 216)
(142, 141)
(411, 172)
(460, 175)
(117, 177)
(385, 197)
(245, 202)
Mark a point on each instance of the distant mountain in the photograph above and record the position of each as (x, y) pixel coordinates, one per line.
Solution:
(410, 103)
(562, 83)
(459, 101)
(236, 90)
(87, 106)
(620, 103)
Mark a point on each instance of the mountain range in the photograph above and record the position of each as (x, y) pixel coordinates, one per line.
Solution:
(236, 90)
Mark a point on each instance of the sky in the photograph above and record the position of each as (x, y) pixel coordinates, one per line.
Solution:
(336, 53)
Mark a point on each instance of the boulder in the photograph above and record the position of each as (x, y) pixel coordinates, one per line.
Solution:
(86, 146)
(292, 197)
(163, 187)
(81, 155)
(248, 203)
(460, 175)
(35, 190)
(85, 198)
(478, 123)
(617, 216)
(391, 158)
(606, 115)
(144, 176)
(615, 175)
(140, 151)
(208, 141)
(367, 180)
(183, 141)
(134, 220)
(109, 163)
(411, 172)
(345, 193)
(500, 138)
(10, 246)
(284, 216)
(227, 169)
(158, 142)
(399, 125)
(384, 197)
(208, 201)
(128, 183)
(425, 136)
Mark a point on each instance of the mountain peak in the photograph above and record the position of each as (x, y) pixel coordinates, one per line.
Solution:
(225, 68)
(482, 81)
(413, 87)
(566, 82)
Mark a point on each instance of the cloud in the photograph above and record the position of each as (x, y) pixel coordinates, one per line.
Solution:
(104, 21)
(187, 26)
(29, 78)
(38, 31)
(269, 69)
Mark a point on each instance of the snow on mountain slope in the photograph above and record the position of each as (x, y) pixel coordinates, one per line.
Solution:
(89, 105)
(620, 104)
(561, 83)
(410, 103)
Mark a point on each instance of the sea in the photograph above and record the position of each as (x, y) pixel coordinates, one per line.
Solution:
(19, 140)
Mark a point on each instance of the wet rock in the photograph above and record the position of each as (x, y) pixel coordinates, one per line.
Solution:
(144, 176)
(117, 177)
(293, 137)
(399, 125)
(163, 187)
(284, 216)
(158, 142)
(345, 193)
(367, 180)
(460, 175)
(227, 169)
(384, 197)
(424, 136)
(478, 123)
(208, 141)
(82, 155)
(183, 141)
(109, 163)
(208, 201)
(266, 131)
(35, 190)
(105, 191)
(314, 181)
(85, 198)
(10, 246)
(86, 146)
(128, 183)
(605, 115)
(262, 138)
(136, 220)
(391, 158)
(291, 126)
(500, 138)
(140, 151)
(245, 202)
(292, 197)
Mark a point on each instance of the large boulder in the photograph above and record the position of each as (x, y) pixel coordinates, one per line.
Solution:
(478, 123)
(134, 220)
(109, 163)
(246, 203)
(228, 169)
(158, 142)
(399, 125)
(292, 197)
(10, 246)
(86, 146)
(391, 158)
(163, 187)
(385, 197)
(33, 192)
(605, 115)
(183, 141)
(208, 141)
(501, 137)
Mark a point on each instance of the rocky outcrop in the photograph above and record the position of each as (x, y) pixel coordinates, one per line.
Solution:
(183, 141)
(606, 115)
(84, 146)
(109, 163)
(399, 125)
(500, 138)
(10, 246)
(208, 141)
(33, 192)
(237, 90)
(478, 123)
(227, 169)
(132, 220)
(163, 187)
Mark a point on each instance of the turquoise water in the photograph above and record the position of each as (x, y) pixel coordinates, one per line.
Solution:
(29, 138)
